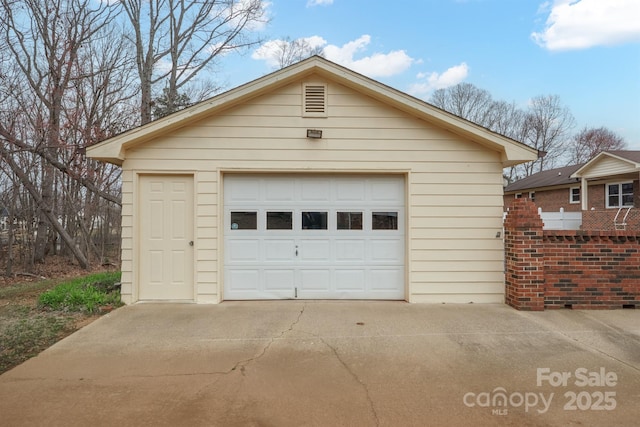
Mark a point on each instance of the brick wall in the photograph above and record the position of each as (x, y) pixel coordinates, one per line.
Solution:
(604, 219)
(596, 197)
(548, 200)
(524, 257)
(571, 268)
(554, 199)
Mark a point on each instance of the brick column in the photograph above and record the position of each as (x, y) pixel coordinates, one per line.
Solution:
(524, 252)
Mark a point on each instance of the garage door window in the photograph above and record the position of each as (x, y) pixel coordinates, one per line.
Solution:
(314, 220)
(244, 220)
(279, 221)
(384, 220)
(349, 220)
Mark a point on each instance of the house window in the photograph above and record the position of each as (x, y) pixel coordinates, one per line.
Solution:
(518, 195)
(532, 196)
(620, 194)
(574, 195)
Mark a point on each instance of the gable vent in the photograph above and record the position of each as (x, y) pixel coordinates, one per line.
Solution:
(315, 100)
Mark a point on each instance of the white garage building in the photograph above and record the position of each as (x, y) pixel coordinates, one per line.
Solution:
(313, 182)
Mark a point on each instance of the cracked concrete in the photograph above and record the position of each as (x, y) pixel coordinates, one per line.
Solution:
(355, 377)
(297, 363)
(244, 363)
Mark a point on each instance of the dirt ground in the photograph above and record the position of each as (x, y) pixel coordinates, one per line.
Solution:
(26, 329)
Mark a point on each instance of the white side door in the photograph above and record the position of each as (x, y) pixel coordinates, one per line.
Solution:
(166, 237)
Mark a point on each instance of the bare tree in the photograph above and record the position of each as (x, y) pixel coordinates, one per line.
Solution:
(547, 126)
(43, 40)
(287, 51)
(176, 39)
(467, 101)
(544, 125)
(510, 121)
(589, 142)
(507, 119)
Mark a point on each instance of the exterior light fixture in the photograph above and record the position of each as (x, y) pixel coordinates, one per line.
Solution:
(314, 133)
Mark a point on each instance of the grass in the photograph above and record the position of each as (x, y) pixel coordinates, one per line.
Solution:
(35, 315)
(85, 294)
(28, 335)
(25, 288)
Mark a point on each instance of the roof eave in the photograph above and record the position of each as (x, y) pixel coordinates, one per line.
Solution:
(512, 152)
(113, 150)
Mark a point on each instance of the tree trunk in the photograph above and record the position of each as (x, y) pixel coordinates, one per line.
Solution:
(10, 233)
(145, 102)
(37, 198)
(42, 233)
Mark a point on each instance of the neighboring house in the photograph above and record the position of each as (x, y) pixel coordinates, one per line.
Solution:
(313, 182)
(607, 187)
(551, 190)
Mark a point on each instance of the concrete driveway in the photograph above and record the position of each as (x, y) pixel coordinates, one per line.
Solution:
(296, 363)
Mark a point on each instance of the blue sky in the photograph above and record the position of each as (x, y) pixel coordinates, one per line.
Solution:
(585, 51)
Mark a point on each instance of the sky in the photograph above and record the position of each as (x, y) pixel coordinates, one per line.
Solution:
(587, 52)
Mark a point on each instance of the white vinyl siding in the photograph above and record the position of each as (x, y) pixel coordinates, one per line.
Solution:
(609, 166)
(454, 186)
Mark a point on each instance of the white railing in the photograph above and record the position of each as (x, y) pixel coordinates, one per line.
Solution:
(622, 223)
(560, 220)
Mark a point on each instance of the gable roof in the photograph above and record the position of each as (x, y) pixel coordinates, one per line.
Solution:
(568, 175)
(625, 161)
(548, 178)
(114, 149)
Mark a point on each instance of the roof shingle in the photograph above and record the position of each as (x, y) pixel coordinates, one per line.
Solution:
(560, 176)
(548, 178)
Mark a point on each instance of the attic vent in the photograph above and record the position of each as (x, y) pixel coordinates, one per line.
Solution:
(315, 100)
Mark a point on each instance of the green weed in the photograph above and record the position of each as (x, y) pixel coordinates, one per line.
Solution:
(86, 294)
(27, 335)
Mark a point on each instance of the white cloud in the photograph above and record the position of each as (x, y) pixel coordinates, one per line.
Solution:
(312, 3)
(581, 24)
(434, 81)
(375, 65)
(267, 52)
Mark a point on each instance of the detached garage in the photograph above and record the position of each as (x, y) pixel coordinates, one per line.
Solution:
(313, 182)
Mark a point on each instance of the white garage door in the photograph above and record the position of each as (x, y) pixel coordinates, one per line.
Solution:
(314, 237)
